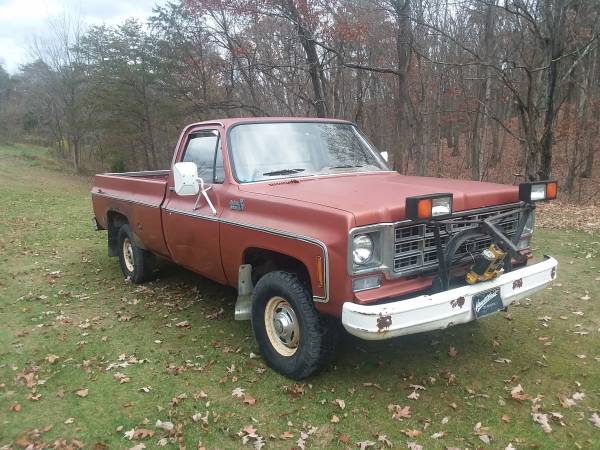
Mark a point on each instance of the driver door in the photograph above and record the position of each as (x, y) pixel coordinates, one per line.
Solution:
(191, 229)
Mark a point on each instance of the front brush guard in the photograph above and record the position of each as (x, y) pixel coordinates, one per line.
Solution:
(486, 227)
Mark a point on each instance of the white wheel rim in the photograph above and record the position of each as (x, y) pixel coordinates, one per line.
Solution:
(128, 254)
(282, 326)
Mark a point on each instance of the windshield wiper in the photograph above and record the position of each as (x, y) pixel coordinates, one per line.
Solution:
(346, 166)
(283, 172)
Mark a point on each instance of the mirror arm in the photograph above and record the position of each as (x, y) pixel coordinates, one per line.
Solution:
(203, 193)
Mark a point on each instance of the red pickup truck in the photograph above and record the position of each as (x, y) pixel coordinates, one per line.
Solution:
(306, 220)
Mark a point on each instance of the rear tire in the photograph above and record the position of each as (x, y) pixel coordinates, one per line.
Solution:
(136, 263)
(292, 337)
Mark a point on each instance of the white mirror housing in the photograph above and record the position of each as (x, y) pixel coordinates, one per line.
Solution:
(186, 178)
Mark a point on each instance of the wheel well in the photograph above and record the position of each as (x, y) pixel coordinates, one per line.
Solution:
(115, 221)
(265, 261)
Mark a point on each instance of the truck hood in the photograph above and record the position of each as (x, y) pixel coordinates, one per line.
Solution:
(380, 196)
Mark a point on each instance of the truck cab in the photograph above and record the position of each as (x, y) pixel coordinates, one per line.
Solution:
(304, 217)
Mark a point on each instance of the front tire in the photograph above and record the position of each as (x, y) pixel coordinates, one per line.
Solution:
(292, 337)
(136, 263)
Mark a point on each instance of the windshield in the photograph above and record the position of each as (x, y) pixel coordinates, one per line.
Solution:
(265, 151)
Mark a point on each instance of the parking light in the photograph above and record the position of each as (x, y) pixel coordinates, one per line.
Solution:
(431, 206)
(538, 191)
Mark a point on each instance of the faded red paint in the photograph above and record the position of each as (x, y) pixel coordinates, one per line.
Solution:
(323, 209)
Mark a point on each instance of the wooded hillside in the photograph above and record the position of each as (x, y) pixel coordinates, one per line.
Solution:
(483, 89)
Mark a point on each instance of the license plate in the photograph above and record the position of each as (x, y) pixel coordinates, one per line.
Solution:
(487, 302)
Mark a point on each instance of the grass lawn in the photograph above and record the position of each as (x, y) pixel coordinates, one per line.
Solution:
(89, 360)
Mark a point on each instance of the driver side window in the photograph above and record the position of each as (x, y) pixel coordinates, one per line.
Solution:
(203, 149)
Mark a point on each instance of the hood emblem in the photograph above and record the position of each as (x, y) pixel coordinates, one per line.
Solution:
(237, 205)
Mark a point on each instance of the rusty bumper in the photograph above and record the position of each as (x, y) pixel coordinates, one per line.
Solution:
(439, 311)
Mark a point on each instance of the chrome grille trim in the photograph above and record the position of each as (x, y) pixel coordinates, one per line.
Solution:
(415, 248)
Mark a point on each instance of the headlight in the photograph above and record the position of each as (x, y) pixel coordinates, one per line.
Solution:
(362, 249)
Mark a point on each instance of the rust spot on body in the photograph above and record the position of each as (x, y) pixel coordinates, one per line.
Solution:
(517, 284)
(457, 302)
(383, 322)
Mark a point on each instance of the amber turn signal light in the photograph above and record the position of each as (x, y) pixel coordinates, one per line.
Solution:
(538, 191)
(431, 206)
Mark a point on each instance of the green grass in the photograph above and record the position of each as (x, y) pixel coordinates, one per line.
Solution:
(88, 316)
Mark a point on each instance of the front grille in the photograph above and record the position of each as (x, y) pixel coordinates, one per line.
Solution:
(415, 248)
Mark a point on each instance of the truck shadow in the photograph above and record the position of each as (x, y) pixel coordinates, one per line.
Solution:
(402, 355)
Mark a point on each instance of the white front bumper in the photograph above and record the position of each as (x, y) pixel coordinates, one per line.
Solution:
(439, 311)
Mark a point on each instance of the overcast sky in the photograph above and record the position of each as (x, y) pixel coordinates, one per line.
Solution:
(22, 19)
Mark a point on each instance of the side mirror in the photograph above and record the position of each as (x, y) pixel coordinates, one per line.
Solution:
(186, 178)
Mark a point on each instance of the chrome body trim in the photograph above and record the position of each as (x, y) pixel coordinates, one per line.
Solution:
(114, 197)
(273, 231)
(142, 173)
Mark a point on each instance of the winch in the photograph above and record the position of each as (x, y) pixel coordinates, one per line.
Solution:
(487, 265)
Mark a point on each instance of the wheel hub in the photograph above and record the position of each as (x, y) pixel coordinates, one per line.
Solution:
(282, 326)
(128, 254)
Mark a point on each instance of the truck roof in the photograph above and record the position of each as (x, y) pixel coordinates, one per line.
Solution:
(229, 121)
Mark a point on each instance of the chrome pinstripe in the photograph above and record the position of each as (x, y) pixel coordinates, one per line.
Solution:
(114, 197)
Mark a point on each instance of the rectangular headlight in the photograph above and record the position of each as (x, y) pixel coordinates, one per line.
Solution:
(431, 206)
(538, 191)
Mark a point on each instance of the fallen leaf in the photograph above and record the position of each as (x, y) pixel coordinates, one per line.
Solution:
(238, 392)
(543, 420)
(82, 393)
(414, 446)
(365, 444)
(595, 419)
(566, 402)
(438, 435)
(335, 419)
(399, 412)
(452, 352)
(286, 435)
(341, 403)
(412, 433)
(52, 358)
(518, 394)
(414, 395)
(184, 324)
(578, 396)
(121, 377)
(505, 418)
(15, 407)
(249, 400)
(166, 426)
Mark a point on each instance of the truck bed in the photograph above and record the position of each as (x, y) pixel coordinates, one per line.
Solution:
(137, 196)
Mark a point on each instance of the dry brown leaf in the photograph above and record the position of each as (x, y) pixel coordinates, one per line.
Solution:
(412, 433)
(15, 407)
(52, 358)
(335, 419)
(399, 412)
(452, 352)
(341, 403)
(518, 394)
(82, 392)
(249, 400)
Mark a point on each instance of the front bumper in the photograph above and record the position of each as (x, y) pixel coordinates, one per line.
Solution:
(444, 309)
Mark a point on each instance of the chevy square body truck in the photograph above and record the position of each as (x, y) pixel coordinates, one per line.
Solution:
(306, 220)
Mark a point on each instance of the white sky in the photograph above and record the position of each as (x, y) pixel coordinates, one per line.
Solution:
(20, 20)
